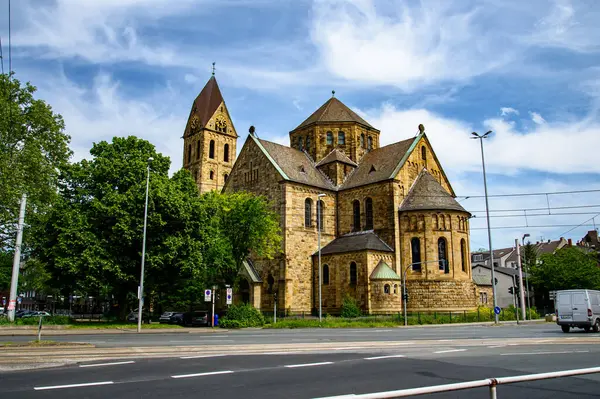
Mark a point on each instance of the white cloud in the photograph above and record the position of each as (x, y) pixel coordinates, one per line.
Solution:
(102, 112)
(508, 110)
(537, 118)
(550, 147)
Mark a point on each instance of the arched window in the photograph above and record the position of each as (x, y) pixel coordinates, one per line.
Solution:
(463, 254)
(226, 153)
(307, 143)
(271, 282)
(387, 289)
(341, 138)
(307, 212)
(362, 140)
(198, 149)
(395, 288)
(369, 214)
(356, 213)
(300, 143)
(370, 143)
(434, 220)
(353, 274)
(320, 210)
(329, 138)
(211, 149)
(443, 255)
(189, 154)
(423, 153)
(415, 250)
(212, 175)
(325, 275)
(225, 176)
(442, 224)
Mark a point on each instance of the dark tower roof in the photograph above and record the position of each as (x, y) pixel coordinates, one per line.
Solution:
(336, 156)
(207, 101)
(334, 111)
(427, 194)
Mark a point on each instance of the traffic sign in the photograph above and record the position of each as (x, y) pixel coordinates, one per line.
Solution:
(207, 295)
(497, 310)
(229, 295)
(3, 301)
(19, 300)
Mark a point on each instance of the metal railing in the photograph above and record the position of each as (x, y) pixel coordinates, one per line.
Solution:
(492, 383)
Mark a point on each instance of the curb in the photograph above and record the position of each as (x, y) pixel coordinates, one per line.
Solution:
(19, 332)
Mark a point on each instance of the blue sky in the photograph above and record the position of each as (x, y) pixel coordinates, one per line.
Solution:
(526, 70)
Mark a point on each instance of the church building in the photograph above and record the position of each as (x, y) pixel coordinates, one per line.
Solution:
(380, 211)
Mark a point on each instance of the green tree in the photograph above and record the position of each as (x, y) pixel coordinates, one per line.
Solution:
(92, 238)
(240, 224)
(6, 259)
(33, 149)
(567, 268)
(529, 256)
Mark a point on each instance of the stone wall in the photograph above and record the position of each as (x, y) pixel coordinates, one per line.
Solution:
(318, 147)
(441, 295)
(429, 227)
(485, 296)
(196, 152)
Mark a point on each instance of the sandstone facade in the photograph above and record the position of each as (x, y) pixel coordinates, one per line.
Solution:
(384, 211)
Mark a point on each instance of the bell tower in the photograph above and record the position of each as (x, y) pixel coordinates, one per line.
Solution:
(209, 139)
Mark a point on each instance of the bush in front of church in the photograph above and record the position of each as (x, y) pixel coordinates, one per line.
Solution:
(242, 316)
(350, 308)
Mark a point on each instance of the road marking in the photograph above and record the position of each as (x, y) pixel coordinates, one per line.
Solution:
(291, 366)
(451, 350)
(383, 357)
(382, 330)
(348, 348)
(106, 364)
(88, 384)
(445, 340)
(202, 374)
(201, 342)
(541, 353)
(497, 346)
(282, 353)
(201, 356)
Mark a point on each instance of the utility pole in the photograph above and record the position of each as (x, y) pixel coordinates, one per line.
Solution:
(214, 293)
(12, 300)
(141, 288)
(487, 212)
(521, 291)
(527, 276)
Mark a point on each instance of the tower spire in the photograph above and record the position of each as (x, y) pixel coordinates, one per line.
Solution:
(213, 69)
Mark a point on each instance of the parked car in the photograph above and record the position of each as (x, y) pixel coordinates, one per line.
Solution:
(198, 318)
(165, 318)
(133, 317)
(22, 312)
(35, 314)
(176, 318)
(578, 308)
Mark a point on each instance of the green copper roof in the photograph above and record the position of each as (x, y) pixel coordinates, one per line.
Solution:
(384, 272)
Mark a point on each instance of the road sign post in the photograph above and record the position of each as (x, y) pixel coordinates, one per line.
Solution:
(207, 295)
(229, 296)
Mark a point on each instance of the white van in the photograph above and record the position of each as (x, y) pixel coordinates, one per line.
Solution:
(578, 308)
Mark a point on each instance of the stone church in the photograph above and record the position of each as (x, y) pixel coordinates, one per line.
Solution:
(381, 211)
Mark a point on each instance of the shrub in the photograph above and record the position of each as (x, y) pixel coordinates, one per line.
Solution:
(241, 316)
(350, 308)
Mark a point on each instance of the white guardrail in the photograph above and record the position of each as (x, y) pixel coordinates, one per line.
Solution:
(492, 383)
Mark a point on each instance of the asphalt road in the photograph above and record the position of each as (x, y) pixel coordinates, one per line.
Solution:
(200, 336)
(316, 375)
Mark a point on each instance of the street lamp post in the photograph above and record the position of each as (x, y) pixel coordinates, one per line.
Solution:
(487, 212)
(319, 210)
(526, 274)
(141, 288)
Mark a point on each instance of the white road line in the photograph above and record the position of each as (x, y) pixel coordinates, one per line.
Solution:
(445, 340)
(201, 342)
(497, 346)
(106, 364)
(348, 348)
(202, 374)
(383, 357)
(291, 366)
(451, 350)
(88, 384)
(541, 353)
(282, 353)
(201, 356)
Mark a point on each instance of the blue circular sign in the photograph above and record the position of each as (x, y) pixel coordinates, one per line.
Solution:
(497, 310)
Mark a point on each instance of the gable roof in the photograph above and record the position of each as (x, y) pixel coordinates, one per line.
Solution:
(384, 161)
(292, 164)
(336, 156)
(334, 111)
(384, 272)
(207, 101)
(508, 271)
(482, 280)
(352, 242)
(427, 194)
